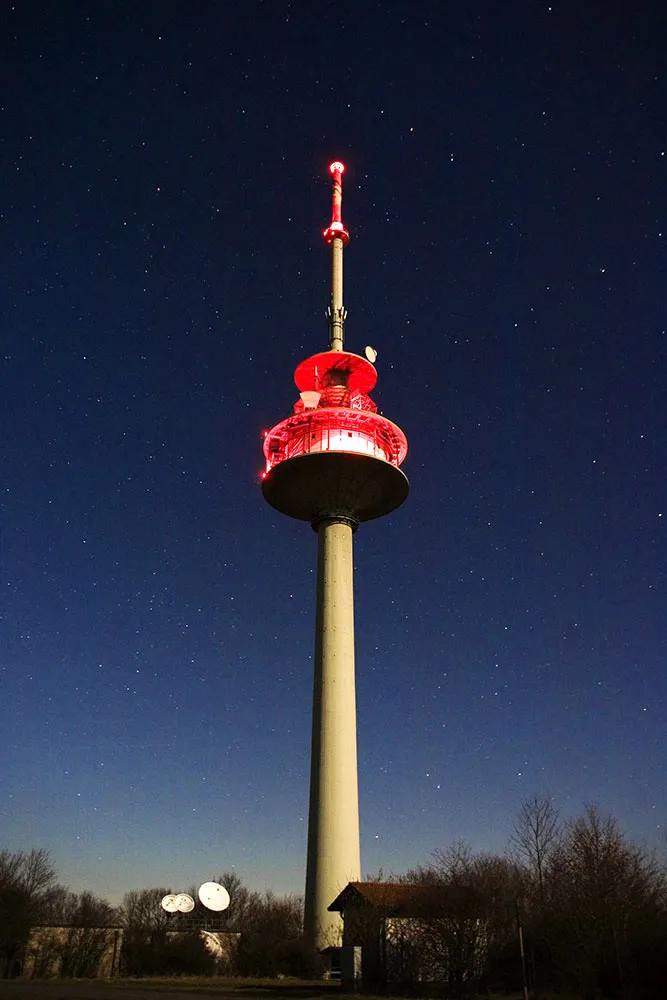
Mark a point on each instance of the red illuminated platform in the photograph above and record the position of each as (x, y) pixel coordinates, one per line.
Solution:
(335, 368)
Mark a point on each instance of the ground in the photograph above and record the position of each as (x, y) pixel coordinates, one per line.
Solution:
(163, 989)
(183, 989)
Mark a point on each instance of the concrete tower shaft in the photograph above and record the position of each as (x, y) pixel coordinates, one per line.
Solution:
(334, 856)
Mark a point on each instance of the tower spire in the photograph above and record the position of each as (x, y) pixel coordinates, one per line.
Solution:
(337, 236)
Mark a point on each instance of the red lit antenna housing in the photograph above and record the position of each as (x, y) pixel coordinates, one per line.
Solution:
(336, 227)
(336, 456)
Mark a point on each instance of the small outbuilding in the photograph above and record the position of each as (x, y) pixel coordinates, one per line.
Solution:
(76, 952)
(403, 933)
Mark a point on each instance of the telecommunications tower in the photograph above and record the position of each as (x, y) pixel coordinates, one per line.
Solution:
(335, 462)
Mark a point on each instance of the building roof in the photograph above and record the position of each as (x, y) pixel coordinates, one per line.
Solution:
(395, 899)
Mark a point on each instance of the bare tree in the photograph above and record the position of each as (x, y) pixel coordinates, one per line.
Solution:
(534, 841)
(271, 937)
(141, 908)
(27, 883)
(467, 939)
(536, 836)
(244, 903)
(144, 925)
(607, 899)
(84, 921)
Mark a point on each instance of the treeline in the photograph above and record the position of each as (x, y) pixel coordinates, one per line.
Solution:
(260, 933)
(30, 896)
(572, 907)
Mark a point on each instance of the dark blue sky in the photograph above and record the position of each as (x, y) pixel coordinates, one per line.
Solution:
(164, 191)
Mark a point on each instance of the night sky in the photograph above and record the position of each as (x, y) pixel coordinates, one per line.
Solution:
(164, 189)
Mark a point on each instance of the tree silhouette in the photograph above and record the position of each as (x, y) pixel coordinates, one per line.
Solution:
(27, 885)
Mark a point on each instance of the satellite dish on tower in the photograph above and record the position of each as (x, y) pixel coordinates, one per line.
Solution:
(310, 399)
(214, 896)
(169, 903)
(184, 903)
(371, 354)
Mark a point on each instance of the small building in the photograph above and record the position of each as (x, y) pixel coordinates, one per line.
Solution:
(408, 934)
(76, 952)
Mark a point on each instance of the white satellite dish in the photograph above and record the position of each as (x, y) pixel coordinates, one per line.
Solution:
(214, 896)
(310, 399)
(169, 903)
(184, 903)
(371, 354)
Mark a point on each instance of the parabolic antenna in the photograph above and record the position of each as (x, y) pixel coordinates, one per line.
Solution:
(169, 903)
(371, 354)
(214, 896)
(184, 903)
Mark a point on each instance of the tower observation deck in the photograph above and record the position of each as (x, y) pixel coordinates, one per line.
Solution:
(334, 462)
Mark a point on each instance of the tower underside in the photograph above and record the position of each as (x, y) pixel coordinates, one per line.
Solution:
(322, 484)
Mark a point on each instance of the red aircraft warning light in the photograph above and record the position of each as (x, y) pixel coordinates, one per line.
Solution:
(336, 455)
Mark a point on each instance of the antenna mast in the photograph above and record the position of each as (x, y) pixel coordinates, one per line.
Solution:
(337, 236)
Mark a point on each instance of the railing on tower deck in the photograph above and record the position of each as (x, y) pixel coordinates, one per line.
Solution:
(340, 430)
